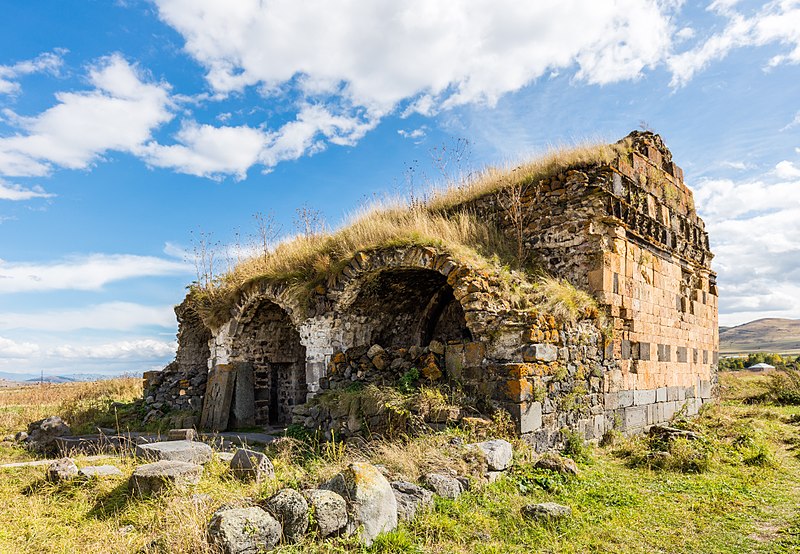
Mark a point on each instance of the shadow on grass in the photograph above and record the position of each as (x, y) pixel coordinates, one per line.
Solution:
(113, 502)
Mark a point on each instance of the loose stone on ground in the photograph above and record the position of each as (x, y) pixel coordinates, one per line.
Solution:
(158, 476)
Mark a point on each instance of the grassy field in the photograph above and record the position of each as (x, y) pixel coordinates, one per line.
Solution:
(735, 490)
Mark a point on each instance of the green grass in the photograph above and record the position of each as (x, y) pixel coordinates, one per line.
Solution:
(731, 506)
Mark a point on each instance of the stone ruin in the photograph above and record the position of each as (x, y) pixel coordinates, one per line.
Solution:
(626, 231)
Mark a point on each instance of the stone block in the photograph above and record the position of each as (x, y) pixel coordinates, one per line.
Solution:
(690, 392)
(153, 478)
(670, 408)
(625, 398)
(661, 394)
(218, 397)
(544, 352)
(634, 417)
(655, 413)
(181, 435)
(675, 393)
(644, 397)
(454, 361)
(176, 451)
(99, 472)
(611, 400)
(705, 389)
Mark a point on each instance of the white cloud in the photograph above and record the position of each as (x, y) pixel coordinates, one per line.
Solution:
(49, 62)
(90, 272)
(119, 114)
(753, 225)
(414, 134)
(777, 22)
(360, 60)
(209, 151)
(109, 316)
(14, 349)
(787, 170)
(145, 349)
(10, 191)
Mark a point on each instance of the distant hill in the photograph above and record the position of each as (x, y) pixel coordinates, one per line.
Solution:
(51, 379)
(762, 335)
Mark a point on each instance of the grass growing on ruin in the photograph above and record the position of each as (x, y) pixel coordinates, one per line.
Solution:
(308, 260)
(727, 506)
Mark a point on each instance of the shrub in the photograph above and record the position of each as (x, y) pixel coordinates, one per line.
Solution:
(784, 387)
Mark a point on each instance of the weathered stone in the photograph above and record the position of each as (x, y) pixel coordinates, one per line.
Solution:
(21, 436)
(371, 503)
(244, 531)
(62, 470)
(557, 463)
(176, 451)
(375, 350)
(411, 498)
(182, 435)
(547, 511)
(100, 471)
(328, 510)
(498, 453)
(436, 347)
(291, 510)
(42, 434)
(158, 476)
(444, 485)
(251, 465)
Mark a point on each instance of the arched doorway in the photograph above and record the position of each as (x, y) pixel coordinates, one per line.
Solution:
(270, 343)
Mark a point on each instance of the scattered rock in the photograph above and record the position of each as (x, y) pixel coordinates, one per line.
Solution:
(21, 436)
(669, 433)
(251, 465)
(99, 471)
(436, 347)
(498, 453)
(375, 350)
(548, 511)
(290, 508)
(244, 530)
(175, 451)
(444, 485)
(492, 476)
(62, 470)
(182, 435)
(371, 503)
(42, 434)
(225, 456)
(329, 511)
(158, 476)
(410, 498)
(557, 463)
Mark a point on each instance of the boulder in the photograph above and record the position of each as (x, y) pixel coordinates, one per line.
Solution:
(62, 470)
(251, 465)
(175, 451)
(498, 453)
(410, 498)
(158, 476)
(42, 434)
(444, 485)
(329, 511)
(182, 434)
(557, 463)
(547, 511)
(99, 471)
(21, 436)
(371, 504)
(291, 510)
(375, 350)
(243, 531)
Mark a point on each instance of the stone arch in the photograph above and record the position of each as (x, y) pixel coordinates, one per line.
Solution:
(403, 297)
(267, 341)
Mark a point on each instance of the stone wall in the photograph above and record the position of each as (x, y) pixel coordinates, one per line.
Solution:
(626, 231)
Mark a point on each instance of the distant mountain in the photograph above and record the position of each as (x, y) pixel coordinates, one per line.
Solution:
(762, 335)
(73, 377)
(51, 379)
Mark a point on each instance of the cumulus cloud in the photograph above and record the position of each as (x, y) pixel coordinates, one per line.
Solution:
(775, 22)
(49, 62)
(108, 316)
(118, 114)
(378, 53)
(11, 191)
(753, 225)
(90, 272)
(14, 349)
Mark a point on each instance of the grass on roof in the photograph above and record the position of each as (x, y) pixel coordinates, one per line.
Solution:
(443, 220)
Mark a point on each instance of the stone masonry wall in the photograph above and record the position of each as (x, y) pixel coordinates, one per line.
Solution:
(626, 231)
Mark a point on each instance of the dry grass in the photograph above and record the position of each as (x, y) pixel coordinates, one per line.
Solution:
(308, 260)
(80, 404)
(564, 301)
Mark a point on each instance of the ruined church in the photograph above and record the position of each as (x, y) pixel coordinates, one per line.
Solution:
(626, 231)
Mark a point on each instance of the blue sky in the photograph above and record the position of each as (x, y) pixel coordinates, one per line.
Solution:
(129, 128)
